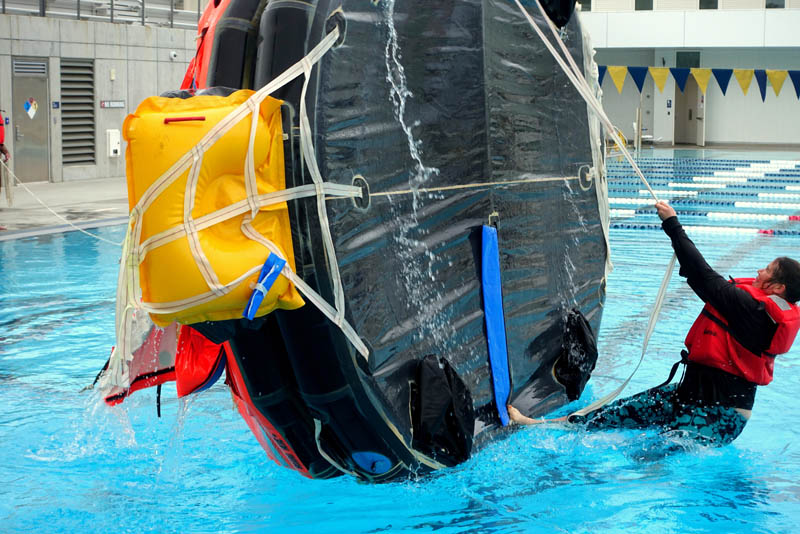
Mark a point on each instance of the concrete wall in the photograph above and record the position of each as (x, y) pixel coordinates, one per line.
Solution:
(131, 63)
(694, 29)
(621, 107)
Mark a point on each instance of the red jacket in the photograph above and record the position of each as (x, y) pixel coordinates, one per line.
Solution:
(2, 130)
(710, 342)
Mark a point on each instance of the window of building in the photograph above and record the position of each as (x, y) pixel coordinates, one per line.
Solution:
(709, 4)
(644, 5)
(586, 5)
(776, 4)
(687, 60)
(77, 112)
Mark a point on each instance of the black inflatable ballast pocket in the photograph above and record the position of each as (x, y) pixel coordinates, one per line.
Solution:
(578, 355)
(442, 413)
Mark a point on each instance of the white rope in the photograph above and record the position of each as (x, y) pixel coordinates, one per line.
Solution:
(310, 158)
(651, 324)
(334, 191)
(16, 179)
(575, 76)
(134, 251)
(596, 141)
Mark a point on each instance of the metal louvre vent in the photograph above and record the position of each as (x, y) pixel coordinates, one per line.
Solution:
(22, 66)
(77, 112)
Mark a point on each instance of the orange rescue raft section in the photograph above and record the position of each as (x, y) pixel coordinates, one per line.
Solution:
(197, 365)
(177, 270)
(197, 73)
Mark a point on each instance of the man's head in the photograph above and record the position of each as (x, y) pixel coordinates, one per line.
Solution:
(781, 277)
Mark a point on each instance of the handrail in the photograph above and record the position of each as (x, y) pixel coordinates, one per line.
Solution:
(118, 11)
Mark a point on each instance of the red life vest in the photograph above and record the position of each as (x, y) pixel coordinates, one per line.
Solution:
(710, 342)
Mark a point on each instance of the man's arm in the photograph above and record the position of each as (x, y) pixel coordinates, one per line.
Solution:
(746, 316)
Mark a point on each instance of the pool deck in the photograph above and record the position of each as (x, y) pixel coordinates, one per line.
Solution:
(85, 204)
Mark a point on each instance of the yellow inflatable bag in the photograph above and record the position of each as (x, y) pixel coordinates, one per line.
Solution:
(202, 227)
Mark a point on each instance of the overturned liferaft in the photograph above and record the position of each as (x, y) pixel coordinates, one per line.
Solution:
(406, 239)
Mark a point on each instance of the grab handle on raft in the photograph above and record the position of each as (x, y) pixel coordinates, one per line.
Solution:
(183, 119)
(266, 278)
(495, 320)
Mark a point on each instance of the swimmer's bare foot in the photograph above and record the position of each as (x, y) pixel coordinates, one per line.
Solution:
(520, 419)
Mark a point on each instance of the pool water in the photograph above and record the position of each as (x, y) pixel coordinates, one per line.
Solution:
(69, 464)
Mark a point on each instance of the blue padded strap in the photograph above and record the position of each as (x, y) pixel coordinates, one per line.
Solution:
(495, 322)
(269, 273)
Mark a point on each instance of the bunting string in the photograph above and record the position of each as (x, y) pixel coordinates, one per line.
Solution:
(774, 77)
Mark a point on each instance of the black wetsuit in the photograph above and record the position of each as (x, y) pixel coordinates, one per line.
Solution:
(703, 405)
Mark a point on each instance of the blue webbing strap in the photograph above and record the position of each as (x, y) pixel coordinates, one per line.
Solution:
(495, 322)
(269, 273)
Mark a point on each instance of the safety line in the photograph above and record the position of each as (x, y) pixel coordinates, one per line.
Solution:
(473, 186)
(662, 291)
(48, 208)
(575, 76)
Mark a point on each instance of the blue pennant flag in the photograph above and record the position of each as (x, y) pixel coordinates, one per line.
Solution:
(761, 79)
(723, 76)
(638, 74)
(601, 71)
(680, 75)
(794, 75)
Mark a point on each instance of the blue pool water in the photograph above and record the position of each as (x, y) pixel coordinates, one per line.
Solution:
(68, 464)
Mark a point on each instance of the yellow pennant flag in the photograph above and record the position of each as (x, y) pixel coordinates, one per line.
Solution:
(660, 75)
(701, 76)
(776, 78)
(744, 77)
(618, 74)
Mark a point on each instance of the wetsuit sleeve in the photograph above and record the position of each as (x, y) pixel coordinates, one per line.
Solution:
(747, 317)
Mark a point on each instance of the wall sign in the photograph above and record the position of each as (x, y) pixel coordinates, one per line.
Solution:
(108, 104)
(31, 107)
(56, 104)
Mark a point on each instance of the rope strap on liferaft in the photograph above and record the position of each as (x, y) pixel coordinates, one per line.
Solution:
(129, 290)
(575, 76)
(651, 324)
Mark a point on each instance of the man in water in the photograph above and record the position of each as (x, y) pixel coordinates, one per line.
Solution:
(731, 350)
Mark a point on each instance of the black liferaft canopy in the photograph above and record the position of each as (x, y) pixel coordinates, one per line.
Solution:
(449, 115)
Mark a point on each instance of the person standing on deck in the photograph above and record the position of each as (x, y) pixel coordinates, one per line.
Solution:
(3, 150)
(731, 346)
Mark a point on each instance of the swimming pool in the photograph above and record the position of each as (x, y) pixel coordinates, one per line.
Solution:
(68, 464)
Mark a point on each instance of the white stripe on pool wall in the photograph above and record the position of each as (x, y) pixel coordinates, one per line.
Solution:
(721, 229)
(792, 196)
(697, 186)
(622, 213)
(747, 216)
(666, 193)
(767, 205)
(729, 179)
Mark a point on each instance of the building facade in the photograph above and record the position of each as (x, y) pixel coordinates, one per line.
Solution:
(66, 85)
(68, 77)
(716, 34)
